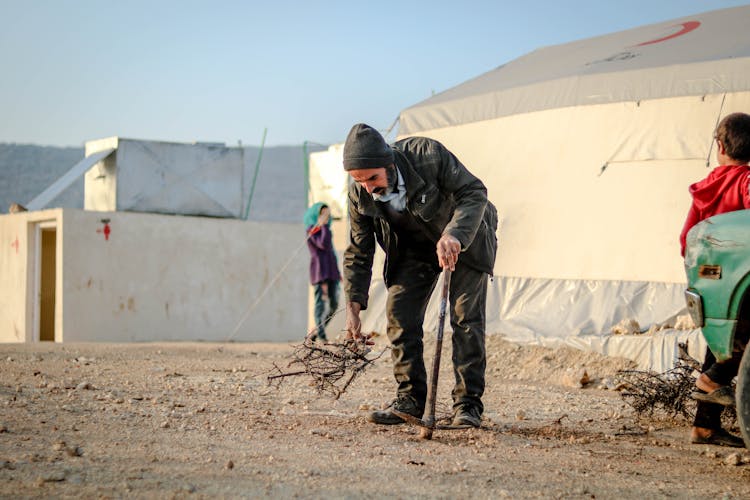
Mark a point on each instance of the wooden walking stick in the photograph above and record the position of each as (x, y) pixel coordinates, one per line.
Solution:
(429, 418)
(427, 423)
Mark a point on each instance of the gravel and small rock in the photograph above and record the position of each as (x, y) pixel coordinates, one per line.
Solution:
(181, 419)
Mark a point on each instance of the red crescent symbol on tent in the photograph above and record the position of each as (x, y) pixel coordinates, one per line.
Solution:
(686, 28)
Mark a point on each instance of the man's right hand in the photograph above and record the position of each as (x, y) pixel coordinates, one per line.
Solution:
(353, 323)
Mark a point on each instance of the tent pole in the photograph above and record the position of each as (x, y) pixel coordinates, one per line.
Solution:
(255, 175)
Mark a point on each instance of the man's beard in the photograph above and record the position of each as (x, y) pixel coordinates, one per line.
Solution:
(392, 177)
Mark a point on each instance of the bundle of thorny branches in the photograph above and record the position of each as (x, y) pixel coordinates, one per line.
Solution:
(331, 366)
(669, 392)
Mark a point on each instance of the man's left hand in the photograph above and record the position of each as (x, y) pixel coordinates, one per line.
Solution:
(448, 249)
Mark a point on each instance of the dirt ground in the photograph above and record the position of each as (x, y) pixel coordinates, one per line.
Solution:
(179, 420)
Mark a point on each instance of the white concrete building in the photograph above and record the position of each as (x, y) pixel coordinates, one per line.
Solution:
(120, 272)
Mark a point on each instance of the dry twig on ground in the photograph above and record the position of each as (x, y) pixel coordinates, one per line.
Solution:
(648, 392)
(332, 366)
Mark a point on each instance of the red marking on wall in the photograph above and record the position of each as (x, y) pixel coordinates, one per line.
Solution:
(15, 244)
(684, 28)
(106, 230)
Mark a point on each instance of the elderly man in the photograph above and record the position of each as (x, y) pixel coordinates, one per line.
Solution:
(427, 212)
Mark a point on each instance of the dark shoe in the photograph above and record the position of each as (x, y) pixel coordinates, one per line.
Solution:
(467, 416)
(724, 396)
(720, 438)
(404, 404)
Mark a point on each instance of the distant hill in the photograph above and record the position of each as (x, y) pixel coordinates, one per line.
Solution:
(26, 170)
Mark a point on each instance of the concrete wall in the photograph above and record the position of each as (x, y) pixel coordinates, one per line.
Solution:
(17, 273)
(13, 266)
(159, 277)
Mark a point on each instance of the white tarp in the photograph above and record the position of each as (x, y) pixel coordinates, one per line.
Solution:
(576, 313)
(206, 179)
(706, 53)
(164, 177)
(657, 352)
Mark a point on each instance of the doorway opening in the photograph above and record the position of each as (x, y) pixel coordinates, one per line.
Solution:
(46, 282)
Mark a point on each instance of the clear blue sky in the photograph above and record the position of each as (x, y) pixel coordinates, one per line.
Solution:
(75, 70)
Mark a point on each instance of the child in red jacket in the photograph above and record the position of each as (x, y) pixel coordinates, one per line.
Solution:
(725, 189)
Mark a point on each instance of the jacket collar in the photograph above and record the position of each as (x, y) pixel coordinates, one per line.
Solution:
(412, 181)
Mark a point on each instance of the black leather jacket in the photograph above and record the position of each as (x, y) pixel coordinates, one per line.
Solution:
(442, 195)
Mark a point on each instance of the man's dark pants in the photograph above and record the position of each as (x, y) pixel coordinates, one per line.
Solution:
(409, 292)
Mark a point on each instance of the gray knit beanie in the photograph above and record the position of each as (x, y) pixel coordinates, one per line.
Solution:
(366, 148)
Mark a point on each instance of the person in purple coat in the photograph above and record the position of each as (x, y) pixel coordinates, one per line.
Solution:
(324, 271)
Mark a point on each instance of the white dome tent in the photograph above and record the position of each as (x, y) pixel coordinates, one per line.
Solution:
(587, 150)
